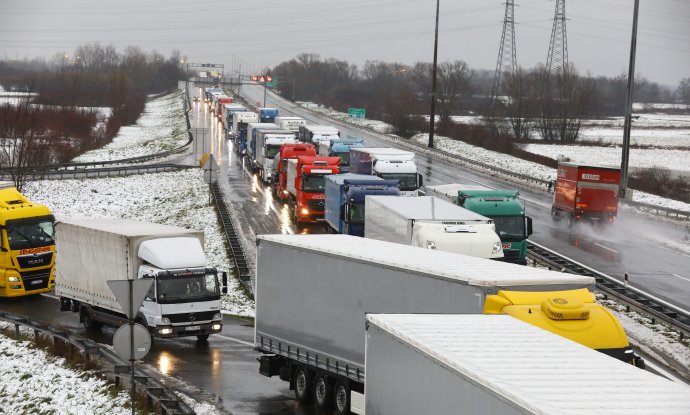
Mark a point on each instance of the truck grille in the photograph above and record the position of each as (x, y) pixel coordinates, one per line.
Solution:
(316, 205)
(511, 256)
(35, 260)
(35, 280)
(190, 317)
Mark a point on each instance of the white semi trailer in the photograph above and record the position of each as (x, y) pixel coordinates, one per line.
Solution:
(431, 222)
(184, 299)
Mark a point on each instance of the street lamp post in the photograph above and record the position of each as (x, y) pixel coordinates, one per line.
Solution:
(432, 119)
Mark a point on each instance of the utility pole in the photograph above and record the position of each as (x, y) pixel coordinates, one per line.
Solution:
(506, 62)
(432, 118)
(628, 105)
(265, 92)
(557, 57)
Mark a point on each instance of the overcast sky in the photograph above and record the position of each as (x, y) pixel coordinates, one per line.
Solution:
(267, 32)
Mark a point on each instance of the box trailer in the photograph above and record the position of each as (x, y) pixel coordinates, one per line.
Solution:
(268, 144)
(184, 299)
(312, 293)
(313, 133)
(290, 123)
(586, 192)
(433, 223)
(388, 163)
(477, 365)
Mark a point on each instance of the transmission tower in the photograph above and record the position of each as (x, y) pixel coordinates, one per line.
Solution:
(557, 59)
(506, 62)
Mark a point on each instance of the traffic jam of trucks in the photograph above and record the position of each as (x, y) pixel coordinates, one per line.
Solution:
(408, 304)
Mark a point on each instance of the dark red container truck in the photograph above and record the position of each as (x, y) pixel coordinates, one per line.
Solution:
(280, 162)
(585, 192)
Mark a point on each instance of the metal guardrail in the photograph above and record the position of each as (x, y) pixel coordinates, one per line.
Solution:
(659, 210)
(155, 390)
(101, 172)
(238, 256)
(645, 303)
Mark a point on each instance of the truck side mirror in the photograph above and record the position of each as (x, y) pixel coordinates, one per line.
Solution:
(344, 210)
(420, 180)
(529, 225)
(225, 282)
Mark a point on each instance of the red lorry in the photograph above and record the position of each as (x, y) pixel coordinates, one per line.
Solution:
(220, 101)
(306, 185)
(586, 192)
(287, 152)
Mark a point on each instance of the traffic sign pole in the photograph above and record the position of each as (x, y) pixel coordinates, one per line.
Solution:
(131, 342)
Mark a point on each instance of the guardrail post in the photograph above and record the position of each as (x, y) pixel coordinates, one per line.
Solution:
(16, 330)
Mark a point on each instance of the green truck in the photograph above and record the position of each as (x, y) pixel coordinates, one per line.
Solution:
(503, 206)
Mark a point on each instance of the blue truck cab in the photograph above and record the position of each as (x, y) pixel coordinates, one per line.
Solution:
(340, 148)
(344, 200)
(267, 115)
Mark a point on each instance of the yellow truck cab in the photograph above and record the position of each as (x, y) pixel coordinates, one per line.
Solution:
(27, 247)
(573, 314)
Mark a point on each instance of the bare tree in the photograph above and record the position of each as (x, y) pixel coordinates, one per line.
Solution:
(20, 140)
(519, 107)
(683, 91)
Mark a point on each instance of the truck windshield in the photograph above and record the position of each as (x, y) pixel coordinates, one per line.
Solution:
(357, 212)
(408, 181)
(312, 183)
(182, 289)
(272, 150)
(344, 158)
(510, 228)
(30, 232)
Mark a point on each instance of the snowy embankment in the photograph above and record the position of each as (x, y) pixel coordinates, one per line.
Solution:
(175, 198)
(160, 127)
(34, 382)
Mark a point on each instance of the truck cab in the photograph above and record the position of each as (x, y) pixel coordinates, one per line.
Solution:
(268, 145)
(267, 115)
(314, 133)
(240, 121)
(226, 116)
(389, 164)
(340, 147)
(306, 184)
(280, 166)
(290, 123)
(252, 128)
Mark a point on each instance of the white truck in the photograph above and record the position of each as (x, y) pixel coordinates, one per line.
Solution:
(240, 121)
(313, 133)
(290, 123)
(313, 291)
(184, 299)
(479, 364)
(389, 164)
(267, 146)
(431, 222)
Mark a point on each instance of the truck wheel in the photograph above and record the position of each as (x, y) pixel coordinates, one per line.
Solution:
(323, 392)
(554, 215)
(89, 323)
(303, 385)
(341, 398)
(295, 217)
(202, 337)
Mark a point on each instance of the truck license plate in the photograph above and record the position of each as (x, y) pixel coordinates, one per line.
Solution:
(192, 328)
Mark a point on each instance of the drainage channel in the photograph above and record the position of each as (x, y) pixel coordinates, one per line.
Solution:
(655, 308)
(238, 256)
(157, 394)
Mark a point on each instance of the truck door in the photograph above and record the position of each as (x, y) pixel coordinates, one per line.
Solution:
(150, 306)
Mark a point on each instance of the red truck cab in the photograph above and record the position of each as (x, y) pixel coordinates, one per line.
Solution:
(220, 102)
(306, 185)
(586, 192)
(287, 152)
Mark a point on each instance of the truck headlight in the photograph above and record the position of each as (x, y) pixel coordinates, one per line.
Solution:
(165, 320)
(13, 279)
(216, 326)
(431, 245)
(305, 211)
(496, 248)
(165, 330)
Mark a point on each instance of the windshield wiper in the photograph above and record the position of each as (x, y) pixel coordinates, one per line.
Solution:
(23, 236)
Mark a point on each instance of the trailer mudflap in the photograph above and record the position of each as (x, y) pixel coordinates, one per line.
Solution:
(269, 365)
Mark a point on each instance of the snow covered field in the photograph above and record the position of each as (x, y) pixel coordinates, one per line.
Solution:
(35, 382)
(174, 198)
(160, 127)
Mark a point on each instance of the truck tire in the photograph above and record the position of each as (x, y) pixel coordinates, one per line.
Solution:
(341, 398)
(303, 381)
(295, 216)
(554, 215)
(89, 323)
(323, 392)
(202, 337)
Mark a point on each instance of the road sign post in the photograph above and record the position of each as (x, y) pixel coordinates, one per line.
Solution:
(130, 294)
(356, 112)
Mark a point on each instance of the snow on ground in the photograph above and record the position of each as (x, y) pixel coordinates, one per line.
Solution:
(34, 382)
(376, 125)
(663, 137)
(160, 127)
(174, 198)
(676, 160)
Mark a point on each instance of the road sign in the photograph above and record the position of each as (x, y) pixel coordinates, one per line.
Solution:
(122, 342)
(120, 289)
(272, 84)
(356, 112)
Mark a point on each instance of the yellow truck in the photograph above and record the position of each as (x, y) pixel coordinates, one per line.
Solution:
(27, 247)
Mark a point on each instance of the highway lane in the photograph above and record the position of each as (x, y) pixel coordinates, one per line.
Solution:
(638, 244)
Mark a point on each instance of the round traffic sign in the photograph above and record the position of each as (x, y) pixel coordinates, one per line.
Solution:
(122, 342)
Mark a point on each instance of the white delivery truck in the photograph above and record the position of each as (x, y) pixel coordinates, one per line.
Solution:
(290, 123)
(389, 164)
(313, 291)
(268, 144)
(431, 222)
(184, 299)
(478, 364)
(313, 133)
